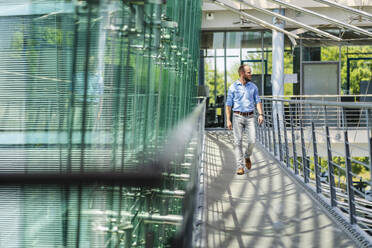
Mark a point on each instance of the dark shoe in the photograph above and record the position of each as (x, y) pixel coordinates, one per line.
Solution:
(248, 163)
(240, 171)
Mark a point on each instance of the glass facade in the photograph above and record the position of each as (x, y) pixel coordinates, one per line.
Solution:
(225, 51)
(92, 86)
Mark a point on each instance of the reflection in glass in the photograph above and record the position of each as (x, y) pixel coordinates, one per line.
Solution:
(93, 86)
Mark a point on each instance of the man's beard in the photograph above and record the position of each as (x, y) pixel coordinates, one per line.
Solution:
(247, 79)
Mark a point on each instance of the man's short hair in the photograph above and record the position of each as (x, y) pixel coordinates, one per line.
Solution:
(241, 69)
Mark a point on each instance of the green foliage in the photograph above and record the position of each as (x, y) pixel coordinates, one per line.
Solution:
(51, 35)
(359, 70)
(210, 81)
(340, 174)
(341, 162)
(358, 168)
(17, 43)
(288, 89)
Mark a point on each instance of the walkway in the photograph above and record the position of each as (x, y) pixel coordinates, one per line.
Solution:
(264, 208)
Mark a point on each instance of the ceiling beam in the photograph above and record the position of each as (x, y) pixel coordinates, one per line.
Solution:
(255, 19)
(346, 8)
(279, 16)
(331, 20)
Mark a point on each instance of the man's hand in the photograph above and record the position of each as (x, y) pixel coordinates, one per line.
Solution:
(260, 119)
(229, 125)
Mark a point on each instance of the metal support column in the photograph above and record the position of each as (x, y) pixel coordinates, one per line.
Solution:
(277, 75)
(278, 57)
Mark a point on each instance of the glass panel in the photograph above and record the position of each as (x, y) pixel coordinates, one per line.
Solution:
(94, 86)
(359, 67)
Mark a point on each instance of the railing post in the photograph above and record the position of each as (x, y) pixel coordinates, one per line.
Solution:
(305, 162)
(279, 137)
(316, 165)
(330, 162)
(268, 129)
(295, 165)
(285, 138)
(369, 131)
(349, 177)
(273, 128)
(315, 150)
(258, 129)
(264, 125)
(261, 133)
(264, 133)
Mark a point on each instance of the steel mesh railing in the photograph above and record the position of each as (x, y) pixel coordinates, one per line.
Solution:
(328, 145)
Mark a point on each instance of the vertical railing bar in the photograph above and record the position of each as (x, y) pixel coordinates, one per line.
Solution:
(315, 151)
(273, 128)
(369, 132)
(264, 125)
(285, 137)
(295, 165)
(279, 137)
(268, 132)
(304, 158)
(260, 135)
(330, 164)
(258, 130)
(349, 177)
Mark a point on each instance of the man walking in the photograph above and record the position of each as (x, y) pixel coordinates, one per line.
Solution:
(241, 100)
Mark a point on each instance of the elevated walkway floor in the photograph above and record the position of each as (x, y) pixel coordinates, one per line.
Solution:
(264, 207)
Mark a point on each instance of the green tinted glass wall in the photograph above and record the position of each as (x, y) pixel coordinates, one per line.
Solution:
(92, 86)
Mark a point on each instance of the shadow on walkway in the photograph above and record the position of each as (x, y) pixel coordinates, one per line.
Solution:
(263, 208)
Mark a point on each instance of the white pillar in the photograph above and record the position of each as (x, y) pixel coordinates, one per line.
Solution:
(277, 75)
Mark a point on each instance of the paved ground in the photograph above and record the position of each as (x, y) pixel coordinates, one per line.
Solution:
(263, 208)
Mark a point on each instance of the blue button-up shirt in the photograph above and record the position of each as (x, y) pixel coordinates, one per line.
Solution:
(242, 97)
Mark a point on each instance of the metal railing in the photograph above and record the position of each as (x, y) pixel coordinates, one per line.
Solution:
(328, 146)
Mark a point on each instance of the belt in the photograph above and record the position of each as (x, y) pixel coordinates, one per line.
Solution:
(243, 113)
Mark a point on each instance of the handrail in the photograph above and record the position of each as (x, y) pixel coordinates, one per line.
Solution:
(322, 103)
(326, 96)
(301, 134)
